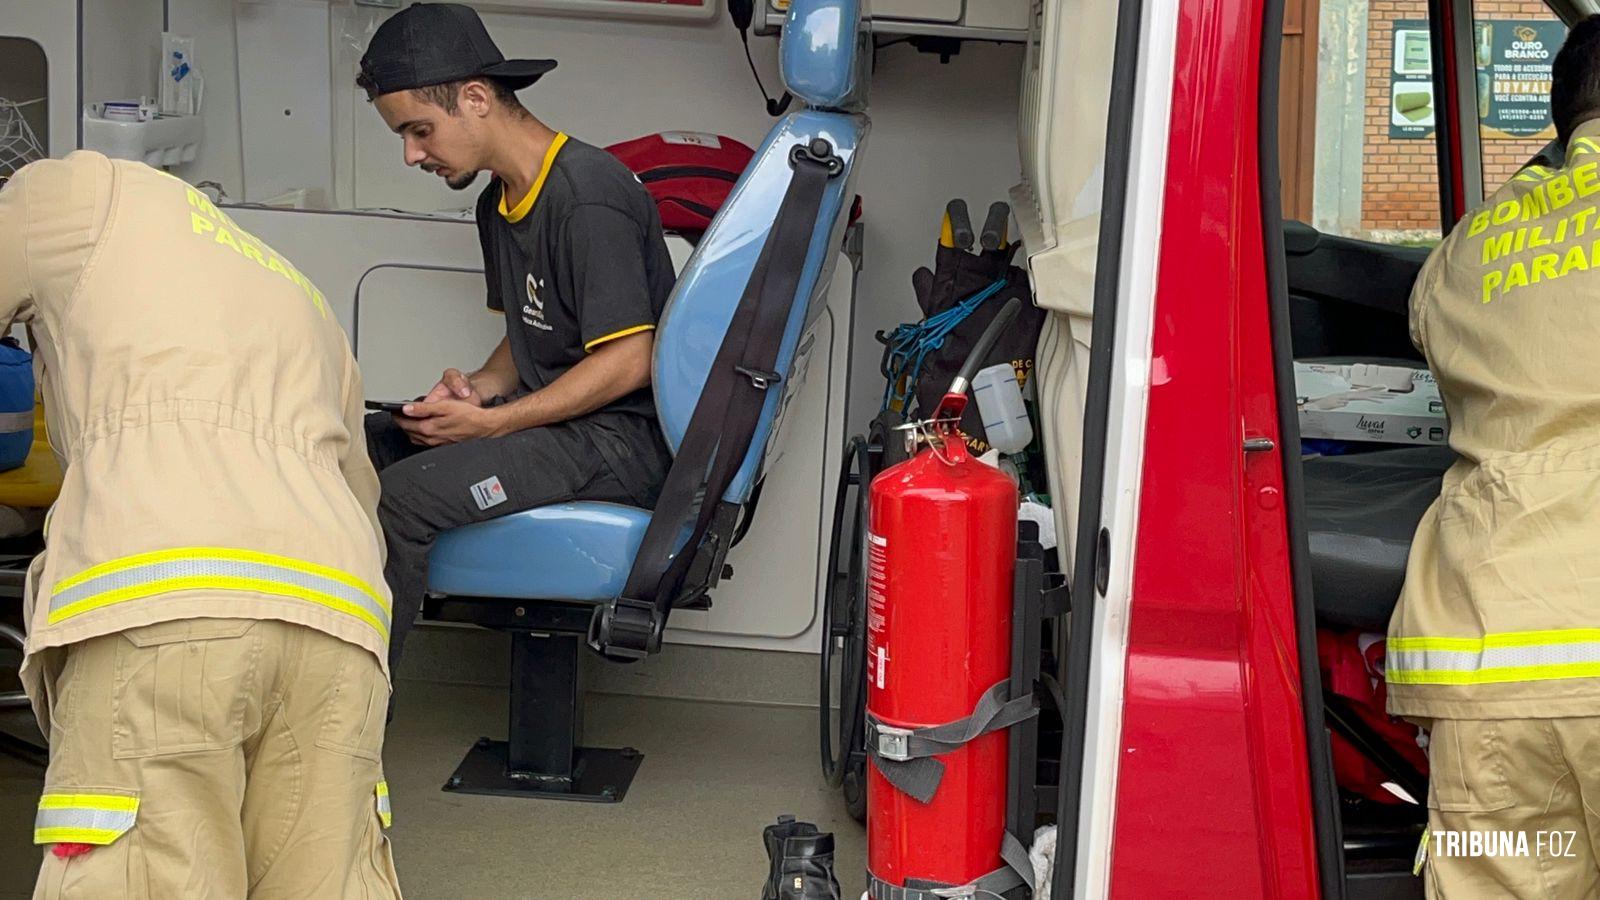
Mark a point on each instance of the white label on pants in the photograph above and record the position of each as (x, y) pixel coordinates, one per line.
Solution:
(489, 492)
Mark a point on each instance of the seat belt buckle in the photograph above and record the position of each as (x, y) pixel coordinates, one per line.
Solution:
(760, 379)
(625, 630)
(891, 743)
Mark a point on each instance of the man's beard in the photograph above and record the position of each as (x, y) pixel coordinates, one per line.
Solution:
(461, 182)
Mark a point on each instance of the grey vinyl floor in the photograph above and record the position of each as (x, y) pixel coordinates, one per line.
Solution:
(690, 829)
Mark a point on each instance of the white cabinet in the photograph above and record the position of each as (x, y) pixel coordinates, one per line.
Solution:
(920, 10)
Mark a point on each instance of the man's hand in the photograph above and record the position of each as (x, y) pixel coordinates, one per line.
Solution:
(434, 423)
(453, 385)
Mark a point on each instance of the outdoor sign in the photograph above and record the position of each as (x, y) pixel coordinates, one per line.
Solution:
(1512, 61)
(1411, 107)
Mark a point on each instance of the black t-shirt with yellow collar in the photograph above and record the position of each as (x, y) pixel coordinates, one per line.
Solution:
(579, 261)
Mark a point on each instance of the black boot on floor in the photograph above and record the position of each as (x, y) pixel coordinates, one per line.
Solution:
(800, 862)
(774, 837)
(808, 869)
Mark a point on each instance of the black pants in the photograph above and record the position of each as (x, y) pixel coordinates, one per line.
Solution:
(427, 491)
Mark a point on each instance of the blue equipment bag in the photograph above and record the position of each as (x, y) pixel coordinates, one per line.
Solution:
(16, 404)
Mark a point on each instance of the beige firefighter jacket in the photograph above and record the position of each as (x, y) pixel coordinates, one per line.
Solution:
(1500, 615)
(207, 411)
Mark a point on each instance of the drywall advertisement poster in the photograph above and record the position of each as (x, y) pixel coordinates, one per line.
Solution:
(1513, 59)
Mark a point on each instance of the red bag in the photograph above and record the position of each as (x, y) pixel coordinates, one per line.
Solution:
(1352, 667)
(688, 173)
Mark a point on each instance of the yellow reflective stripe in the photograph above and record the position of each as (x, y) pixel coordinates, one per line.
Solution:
(617, 334)
(1586, 144)
(1533, 173)
(108, 802)
(1502, 639)
(217, 568)
(216, 582)
(1514, 656)
(100, 837)
(525, 205)
(1501, 675)
(385, 812)
(97, 819)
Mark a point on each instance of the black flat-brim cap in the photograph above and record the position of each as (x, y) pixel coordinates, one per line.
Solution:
(436, 43)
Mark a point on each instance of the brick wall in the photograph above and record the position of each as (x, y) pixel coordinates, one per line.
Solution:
(1400, 184)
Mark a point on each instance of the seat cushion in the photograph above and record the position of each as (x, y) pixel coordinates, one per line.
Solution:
(568, 551)
(1361, 513)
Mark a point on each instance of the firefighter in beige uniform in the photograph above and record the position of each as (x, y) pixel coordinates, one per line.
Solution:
(1497, 636)
(208, 626)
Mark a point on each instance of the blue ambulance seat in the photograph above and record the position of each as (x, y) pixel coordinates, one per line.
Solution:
(537, 572)
(571, 551)
(574, 551)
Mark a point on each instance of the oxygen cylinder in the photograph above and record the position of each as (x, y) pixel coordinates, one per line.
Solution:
(941, 548)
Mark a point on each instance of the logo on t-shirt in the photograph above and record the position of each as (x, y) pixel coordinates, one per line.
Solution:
(533, 310)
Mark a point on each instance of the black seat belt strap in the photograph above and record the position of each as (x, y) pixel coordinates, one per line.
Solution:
(724, 421)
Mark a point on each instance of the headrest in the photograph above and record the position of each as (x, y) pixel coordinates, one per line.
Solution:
(823, 56)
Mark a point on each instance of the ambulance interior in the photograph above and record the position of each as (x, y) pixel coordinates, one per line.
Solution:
(1003, 100)
(1355, 233)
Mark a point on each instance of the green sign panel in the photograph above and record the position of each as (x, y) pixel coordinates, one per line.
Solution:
(1512, 62)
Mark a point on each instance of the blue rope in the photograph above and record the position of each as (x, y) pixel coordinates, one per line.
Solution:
(910, 344)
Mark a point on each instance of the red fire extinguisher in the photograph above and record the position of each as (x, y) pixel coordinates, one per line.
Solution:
(941, 548)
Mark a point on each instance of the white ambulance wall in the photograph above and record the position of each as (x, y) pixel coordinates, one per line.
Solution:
(210, 23)
(939, 131)
(121, 48)
(54, 27)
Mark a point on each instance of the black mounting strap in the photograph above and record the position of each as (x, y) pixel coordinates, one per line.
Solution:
(905, 755)
(1017, 871)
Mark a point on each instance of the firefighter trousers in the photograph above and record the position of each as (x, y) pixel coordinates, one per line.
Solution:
(1514, 809)
(216, 759)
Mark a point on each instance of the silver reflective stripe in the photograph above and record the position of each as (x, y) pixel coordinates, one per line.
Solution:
(16, 421)
(80, 817)
(385, 813)
(153, 574)
(1493, 658)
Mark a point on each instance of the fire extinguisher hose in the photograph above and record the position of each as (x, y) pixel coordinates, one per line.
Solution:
(955, 398)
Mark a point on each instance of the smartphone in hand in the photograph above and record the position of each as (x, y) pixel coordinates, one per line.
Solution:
(396, 407)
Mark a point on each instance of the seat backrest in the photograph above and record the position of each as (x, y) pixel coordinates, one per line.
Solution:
(824, 65)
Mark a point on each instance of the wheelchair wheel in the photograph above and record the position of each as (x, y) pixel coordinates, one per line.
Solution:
(855, 787)
(844, 640)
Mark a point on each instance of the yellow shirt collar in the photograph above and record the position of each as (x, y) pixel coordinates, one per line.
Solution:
(526, 204)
